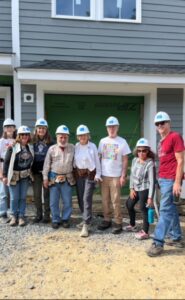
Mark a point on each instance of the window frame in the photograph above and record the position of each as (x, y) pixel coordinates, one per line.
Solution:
(91, 18)
(96, 8)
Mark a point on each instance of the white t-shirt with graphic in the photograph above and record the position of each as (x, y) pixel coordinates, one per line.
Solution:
(112, 151)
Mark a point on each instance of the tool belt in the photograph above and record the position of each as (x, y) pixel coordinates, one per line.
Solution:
(18, 175)
(56, 178)
(85, 173)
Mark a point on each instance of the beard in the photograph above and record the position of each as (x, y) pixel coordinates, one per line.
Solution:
(62, 144)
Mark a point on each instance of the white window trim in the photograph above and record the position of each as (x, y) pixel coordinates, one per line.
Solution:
(91, 18)
(97, 13)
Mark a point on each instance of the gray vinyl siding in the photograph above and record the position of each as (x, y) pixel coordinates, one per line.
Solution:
(28, 113)
(5, 27)
(159, 39)
(171, 101)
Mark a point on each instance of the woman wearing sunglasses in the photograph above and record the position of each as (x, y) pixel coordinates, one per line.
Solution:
(17, 173)
(142, 186)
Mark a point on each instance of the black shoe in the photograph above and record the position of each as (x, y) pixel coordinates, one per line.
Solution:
(65, 224)
(4, 216)
(55, 225)
(37, 219)
(117, 229)
(45, 220)
(104, 225)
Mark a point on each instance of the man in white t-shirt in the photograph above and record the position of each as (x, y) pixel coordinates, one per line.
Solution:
(113, 151)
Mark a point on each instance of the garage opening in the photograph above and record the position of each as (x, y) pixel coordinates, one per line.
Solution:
(93, 110)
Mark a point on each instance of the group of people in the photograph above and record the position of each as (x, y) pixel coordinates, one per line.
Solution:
(54, 168)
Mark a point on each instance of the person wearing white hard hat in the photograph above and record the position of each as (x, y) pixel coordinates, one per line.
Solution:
(7, 139)
(87, 172)
(41, 143)
(17, 174)
(58, 175)
(142, 186)
(171, 162)
(113, 151)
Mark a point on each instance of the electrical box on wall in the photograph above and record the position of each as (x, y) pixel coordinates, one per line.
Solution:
(28, 98)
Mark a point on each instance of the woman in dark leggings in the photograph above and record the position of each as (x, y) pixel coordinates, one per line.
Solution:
(142, 186)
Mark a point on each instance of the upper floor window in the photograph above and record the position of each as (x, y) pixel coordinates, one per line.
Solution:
(98, 10)
(119, 9)
(73, 8)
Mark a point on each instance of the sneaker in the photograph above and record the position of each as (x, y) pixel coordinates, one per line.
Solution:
(117, 229)
(55, 225)
(131, 228)
(13, 221)
(85, 231)
(142, 235)
(154, 250)
(104, 225)
(80, 225)
(175, 243)
(22, 222)
(65, 224)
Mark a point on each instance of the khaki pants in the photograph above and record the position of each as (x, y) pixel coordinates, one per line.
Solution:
(110, 190)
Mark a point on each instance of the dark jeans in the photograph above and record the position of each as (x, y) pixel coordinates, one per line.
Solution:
(142, 197)
(37, 190)
(85, 188)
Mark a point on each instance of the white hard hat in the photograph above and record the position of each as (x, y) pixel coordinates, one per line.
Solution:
(142, 142)
(9, 122)
(161, 116)
(111, 121)
(62, 129)
(82, 129)
(41, 122)
(23, 129)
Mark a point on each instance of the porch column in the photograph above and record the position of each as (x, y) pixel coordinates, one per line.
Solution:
(150, 109)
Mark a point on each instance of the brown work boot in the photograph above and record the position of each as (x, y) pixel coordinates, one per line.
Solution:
(13, 221)
(22, 222)
(117, 228)
(155, 250)
(104, 225)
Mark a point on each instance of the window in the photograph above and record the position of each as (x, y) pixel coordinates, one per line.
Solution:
(72, 8)
(98, 10)
(119, 9)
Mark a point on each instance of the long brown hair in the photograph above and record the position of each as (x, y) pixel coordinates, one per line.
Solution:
(47, 138)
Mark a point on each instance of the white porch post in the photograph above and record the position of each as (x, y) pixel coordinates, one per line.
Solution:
(150, 109)
(17, 100)
(39, 102)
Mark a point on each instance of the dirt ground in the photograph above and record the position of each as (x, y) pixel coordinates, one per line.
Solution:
(61, 265)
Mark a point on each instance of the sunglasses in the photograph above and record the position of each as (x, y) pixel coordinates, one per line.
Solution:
(160, 123)
(142, 151)
(26, 134)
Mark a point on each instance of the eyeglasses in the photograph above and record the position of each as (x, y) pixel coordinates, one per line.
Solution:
(160, 123)
(142, 151)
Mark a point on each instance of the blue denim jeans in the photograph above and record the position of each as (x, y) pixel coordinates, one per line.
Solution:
(18, 195)
(4, 192)
(168, 215)
(65, 191)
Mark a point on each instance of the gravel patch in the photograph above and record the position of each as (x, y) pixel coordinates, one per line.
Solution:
(14, 239)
